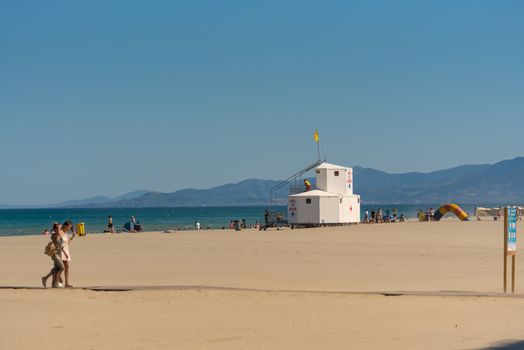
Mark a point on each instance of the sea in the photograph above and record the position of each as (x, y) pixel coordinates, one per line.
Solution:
(23, 222)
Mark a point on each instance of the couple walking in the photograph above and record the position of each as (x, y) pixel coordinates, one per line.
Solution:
(58, 250)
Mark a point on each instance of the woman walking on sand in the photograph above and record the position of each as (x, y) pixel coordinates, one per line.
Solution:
(54, 250)
(66, 255)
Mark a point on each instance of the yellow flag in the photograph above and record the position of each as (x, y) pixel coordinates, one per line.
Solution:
(315, 135)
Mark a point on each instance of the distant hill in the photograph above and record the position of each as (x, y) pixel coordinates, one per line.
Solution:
(96, 201)
(131, 195)
(471, 184)
(247, 192)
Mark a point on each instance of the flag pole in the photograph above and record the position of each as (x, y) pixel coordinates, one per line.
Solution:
(318, 150)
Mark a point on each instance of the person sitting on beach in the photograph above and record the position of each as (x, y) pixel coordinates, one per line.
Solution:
(45, 233)
(55, 252)
(138, 227)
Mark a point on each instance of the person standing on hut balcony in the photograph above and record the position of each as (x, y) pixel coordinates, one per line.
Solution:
(308, 185)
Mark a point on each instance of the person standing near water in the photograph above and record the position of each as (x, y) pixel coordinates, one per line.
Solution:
(110, 224)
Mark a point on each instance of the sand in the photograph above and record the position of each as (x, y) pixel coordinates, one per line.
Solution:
(395, 286)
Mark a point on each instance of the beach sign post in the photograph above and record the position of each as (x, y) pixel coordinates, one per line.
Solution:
(510, 245)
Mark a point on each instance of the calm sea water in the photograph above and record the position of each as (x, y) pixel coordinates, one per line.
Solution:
(15, 222)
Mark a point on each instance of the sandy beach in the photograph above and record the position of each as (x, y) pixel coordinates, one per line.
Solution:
(396, 286)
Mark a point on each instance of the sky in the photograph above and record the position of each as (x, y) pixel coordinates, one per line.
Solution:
(107, 97)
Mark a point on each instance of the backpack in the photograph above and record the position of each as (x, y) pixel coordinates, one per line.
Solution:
(50, 249)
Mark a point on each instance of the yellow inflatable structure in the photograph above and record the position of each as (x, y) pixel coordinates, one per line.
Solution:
(451, 208)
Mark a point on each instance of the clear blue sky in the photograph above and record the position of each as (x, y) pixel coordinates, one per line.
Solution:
(106, 97)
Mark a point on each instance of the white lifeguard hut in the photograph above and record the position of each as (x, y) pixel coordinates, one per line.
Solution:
(332, 202)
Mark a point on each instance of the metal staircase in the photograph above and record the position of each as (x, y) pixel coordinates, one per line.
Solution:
(294, 183)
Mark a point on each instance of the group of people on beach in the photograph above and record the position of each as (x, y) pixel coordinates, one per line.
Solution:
(379, 216)
(243, 224)
(131, 226)
(58, 250)
(426, 215)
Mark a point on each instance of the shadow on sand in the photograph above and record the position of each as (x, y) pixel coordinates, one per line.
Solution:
(508, 345)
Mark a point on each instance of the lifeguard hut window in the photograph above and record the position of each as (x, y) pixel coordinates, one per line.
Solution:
(336, 173)
(308, 200)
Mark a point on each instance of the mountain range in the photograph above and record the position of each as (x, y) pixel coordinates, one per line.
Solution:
(500, 183)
